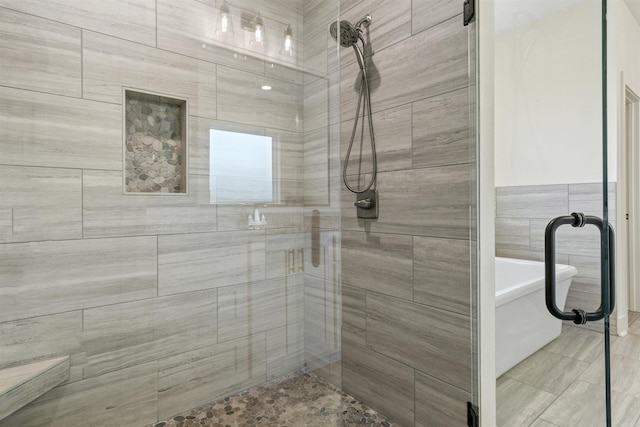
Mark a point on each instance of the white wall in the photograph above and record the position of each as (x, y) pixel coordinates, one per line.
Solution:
(548, 100)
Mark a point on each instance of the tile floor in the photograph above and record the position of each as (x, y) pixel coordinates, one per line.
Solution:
(562, 385)
(303, 400)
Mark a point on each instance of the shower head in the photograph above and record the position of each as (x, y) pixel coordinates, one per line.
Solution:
(349, 34)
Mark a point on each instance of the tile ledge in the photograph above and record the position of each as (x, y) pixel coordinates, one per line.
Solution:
(21, 385)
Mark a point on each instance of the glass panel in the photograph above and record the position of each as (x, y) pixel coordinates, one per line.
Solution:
(124, 244)
(549, 163)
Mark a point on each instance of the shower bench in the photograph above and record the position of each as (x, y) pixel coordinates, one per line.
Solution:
(20, 385)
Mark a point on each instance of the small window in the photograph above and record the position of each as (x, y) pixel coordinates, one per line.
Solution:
(241, 167)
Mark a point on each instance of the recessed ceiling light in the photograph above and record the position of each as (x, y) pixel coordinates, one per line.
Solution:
(265, 87)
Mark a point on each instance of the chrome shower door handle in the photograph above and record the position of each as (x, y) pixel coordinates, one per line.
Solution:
(576, 315)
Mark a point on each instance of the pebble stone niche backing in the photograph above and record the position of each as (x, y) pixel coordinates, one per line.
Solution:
(303, 400)
(155, 144)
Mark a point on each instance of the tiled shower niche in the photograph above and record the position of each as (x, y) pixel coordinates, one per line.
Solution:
(155, 148)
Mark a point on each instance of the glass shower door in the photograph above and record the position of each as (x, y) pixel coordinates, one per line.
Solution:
(554, 193)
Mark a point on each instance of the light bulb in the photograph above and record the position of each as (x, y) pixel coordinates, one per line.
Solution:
(258, 33)
(224, 26)
(224, 18)
(287, 44)
(258, 36)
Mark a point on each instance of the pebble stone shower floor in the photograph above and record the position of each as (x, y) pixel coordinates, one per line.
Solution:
(303, 400)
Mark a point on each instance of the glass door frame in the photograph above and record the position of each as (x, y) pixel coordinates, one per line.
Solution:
(486, 212)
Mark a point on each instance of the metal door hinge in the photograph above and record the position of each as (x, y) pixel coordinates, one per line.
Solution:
(473, 415)
(469, 9)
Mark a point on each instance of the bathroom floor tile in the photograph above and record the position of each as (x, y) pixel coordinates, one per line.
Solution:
(520, 404)
(577, 343)
(583, 405)
(625, 374)
(305, 399)
(547, 371)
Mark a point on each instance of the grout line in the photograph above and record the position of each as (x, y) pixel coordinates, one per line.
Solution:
(156, 46)
(82, 64)
(81, 203)
(158, 266)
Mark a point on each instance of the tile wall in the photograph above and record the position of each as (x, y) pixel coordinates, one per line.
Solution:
(522, 214)
(406, 340)
(162, 302)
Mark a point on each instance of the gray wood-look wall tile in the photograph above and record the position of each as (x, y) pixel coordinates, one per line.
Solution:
(318, 51)
(45, 203)
(587, 198)
(44, 337)
(133, 20)
(441, 273)
(289, 151)
(392, 130)
(123, 335)
(130, 393)
(189, 262)
(38, 54)
(441, 130)
(378, 262)
(391, 23)
(426, 202)
(285, 350)
(589, 272)
(6, 221)
(569, 241)
(381, 382)
(317, 14)
(246, 309)
(439, 404)
(107, 212)
(354, 315)
(434, 341)
(322, 320)
(540, 201)
(110, 63)
(318, 192)
(51, 277)
(209, 373)
(317, 154)
(49, 130)
(512, 234)
(348, 4)
(241, 100)
(427, 13)
(439, 65)
(316, 105)
(284, 252)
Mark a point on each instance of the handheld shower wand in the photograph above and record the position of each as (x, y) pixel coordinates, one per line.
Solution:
(348, 35)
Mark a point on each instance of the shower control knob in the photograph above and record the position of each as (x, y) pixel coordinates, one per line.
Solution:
(363, 204)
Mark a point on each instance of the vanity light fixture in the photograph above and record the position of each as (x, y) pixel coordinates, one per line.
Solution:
(224, 25)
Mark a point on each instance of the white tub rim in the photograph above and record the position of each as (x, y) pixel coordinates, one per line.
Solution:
(527, 287)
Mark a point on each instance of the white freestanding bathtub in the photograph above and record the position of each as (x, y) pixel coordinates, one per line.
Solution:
(523, 324)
